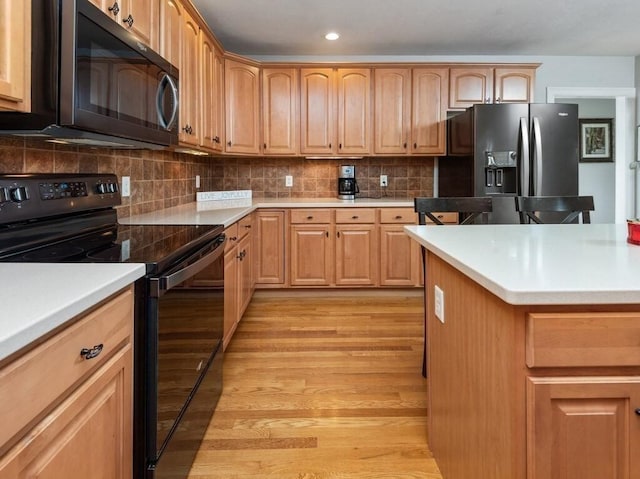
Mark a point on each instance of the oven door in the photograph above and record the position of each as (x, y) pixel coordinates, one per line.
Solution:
(184, 358)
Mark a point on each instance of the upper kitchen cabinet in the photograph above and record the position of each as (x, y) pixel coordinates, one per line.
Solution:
(15, 65)
(410, 110)
(242, 107)
(280, 111)
(429, 111)
(487, 84)
(335, 111)
(138, 16)
(190, 82)
(212, 94)
(392, 110)
(171, 31)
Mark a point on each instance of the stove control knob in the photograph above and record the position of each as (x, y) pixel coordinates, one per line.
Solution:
(102, 188)
(18, 194)
(4, 195)
(112, 188)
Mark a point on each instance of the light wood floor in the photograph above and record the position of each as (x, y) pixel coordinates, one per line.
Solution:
(322, 387)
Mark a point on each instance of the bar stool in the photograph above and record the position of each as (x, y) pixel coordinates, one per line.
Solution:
(471, 210)
(569, 209)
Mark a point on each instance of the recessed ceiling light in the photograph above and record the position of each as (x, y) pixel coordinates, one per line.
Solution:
(332, 36)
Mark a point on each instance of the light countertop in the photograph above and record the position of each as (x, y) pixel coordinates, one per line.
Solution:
(542, 264)
(38, 297)
(227, 212)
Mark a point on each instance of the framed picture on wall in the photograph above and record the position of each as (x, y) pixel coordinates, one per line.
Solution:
(596, 139)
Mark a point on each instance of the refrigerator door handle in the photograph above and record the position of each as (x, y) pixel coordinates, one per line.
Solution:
(537, 141)
(524, 156)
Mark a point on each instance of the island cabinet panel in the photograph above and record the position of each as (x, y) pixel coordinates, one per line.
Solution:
(242, 106)
(582, 428)
(15, 55)
(560, 384)
(392, 110)
(280, 95)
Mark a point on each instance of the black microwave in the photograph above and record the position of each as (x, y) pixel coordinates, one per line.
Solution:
(94, 83)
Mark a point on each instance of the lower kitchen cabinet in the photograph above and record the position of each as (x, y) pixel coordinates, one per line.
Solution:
(238, 274)
(311, 256)
(70, 416)
(269, 247)
(356, 247)
(581, 427)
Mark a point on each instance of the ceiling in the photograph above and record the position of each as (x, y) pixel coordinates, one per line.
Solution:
(425, 27)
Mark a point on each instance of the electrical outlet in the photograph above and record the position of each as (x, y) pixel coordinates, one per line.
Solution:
(288, 181)
(383, 181)
(126, 186)
(197, 181)
(439, 303)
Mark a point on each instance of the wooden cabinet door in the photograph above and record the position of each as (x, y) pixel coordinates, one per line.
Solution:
(170, 35)
(317, 111)
(242, 86)
(211, 94)
(356, 255)
(428, 125)
(392, 110)
(190, 82)
(279, 110)
(270, 247)
(311, 255)
(141, 18)
(470, 86)
(15, 55)
(245, 272)
(354, 111)
(398, 265)
(514, 85)
(231, 294)
(91, 430)
(583, 427)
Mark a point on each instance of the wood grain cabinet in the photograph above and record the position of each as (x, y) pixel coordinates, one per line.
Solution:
(311, 247)
(138, 16)
(356, 247)
(585, 425)
(280, 94)
(410, 107)
(490, 84)
(211, 94)
(335, 111)
(242, 107)
(15, 61)
(400, 261)
(189, 86)
(72, 416)
(270, 247)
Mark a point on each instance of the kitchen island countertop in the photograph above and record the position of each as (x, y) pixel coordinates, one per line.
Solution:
(541, 264)
(227, 212)
(38, 297)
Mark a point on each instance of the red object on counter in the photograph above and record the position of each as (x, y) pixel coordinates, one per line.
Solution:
(633, 235)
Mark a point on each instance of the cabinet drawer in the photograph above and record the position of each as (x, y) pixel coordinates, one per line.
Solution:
(404, 216)
(582, 339)
(33, 383)
(244, 226)
(356, 215)
(310, 216)
(232, 237)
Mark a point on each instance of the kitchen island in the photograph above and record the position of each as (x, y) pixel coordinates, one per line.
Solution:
(534, 355)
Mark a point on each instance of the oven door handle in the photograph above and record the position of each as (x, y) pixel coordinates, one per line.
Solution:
(193, 265)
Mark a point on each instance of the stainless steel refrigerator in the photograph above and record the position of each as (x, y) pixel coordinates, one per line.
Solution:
(505, 150)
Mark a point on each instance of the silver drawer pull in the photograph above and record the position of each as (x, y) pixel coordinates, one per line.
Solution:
(91, 353)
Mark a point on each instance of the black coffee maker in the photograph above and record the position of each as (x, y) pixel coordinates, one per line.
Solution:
(347, 184)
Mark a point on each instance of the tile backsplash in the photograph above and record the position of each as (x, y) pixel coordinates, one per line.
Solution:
(160, 179)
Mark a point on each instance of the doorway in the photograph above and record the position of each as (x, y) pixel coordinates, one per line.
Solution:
(625, 196)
